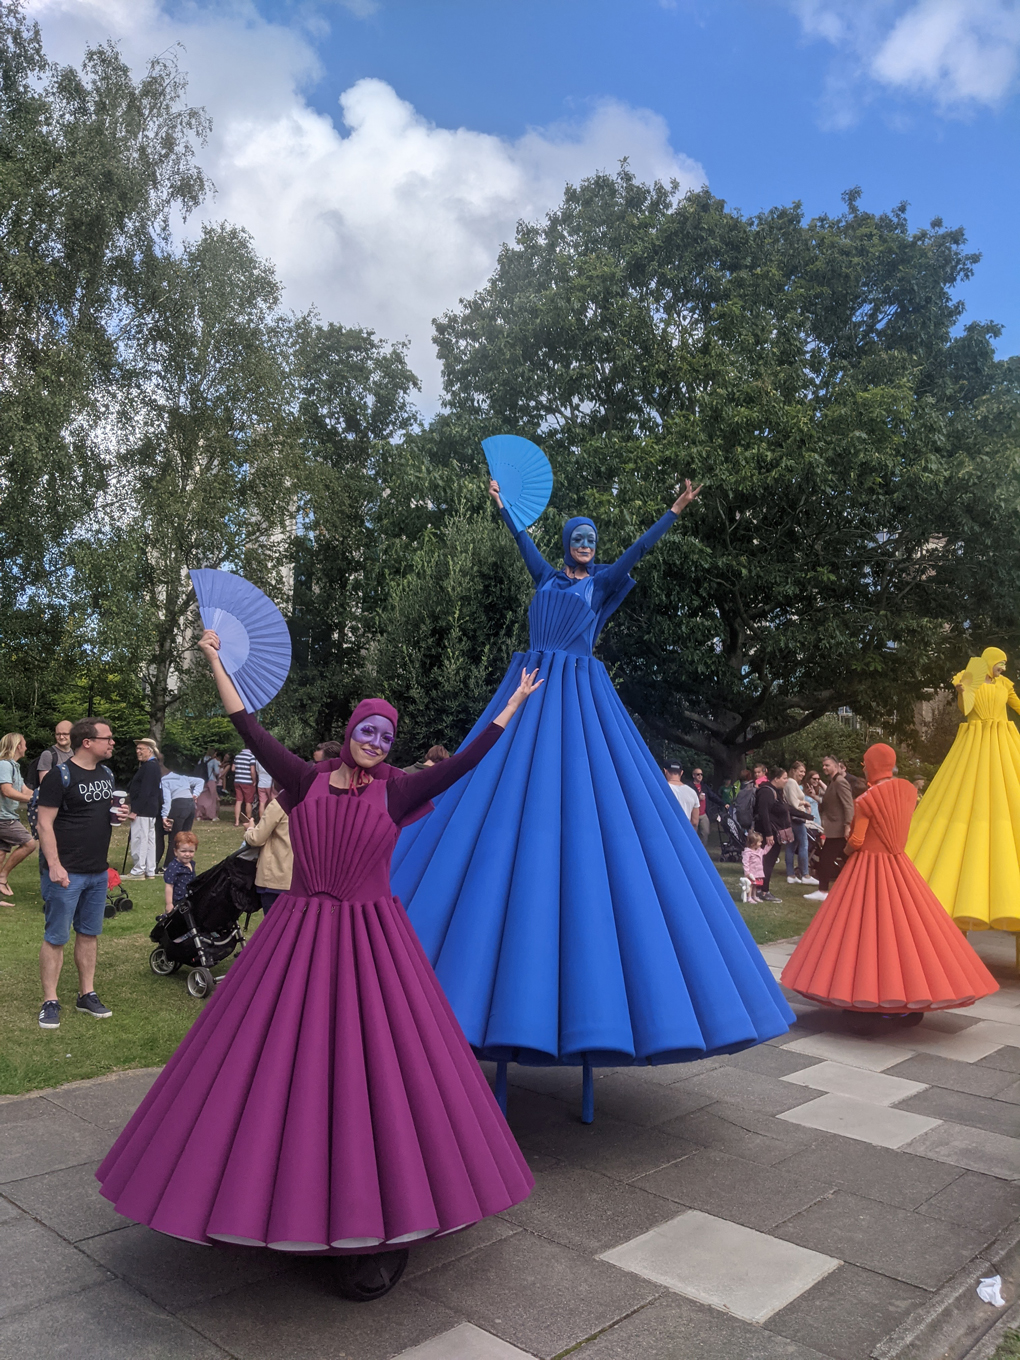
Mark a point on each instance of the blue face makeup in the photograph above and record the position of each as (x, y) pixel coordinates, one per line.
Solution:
(583, 537)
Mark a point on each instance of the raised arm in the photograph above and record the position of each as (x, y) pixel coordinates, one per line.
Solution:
(536, 564)
(289, 771)
(411, 791)
(614, 576)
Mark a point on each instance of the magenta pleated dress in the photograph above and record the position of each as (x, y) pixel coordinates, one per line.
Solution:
(326, 1099)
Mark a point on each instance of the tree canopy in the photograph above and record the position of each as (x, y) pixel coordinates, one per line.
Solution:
(858, 532)
(859, 455)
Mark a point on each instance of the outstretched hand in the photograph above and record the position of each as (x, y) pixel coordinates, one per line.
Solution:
(529, 683)
(494, 492)
(689, 493)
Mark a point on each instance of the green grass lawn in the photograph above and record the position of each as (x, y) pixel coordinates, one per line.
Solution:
(1010, 1347)
(152, 1014)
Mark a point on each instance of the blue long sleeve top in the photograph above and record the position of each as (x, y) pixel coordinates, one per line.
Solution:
(610, 582)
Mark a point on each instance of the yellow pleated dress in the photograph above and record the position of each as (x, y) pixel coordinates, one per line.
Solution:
(965, 834)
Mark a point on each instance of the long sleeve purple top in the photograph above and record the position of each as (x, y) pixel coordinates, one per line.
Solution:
(406, 794)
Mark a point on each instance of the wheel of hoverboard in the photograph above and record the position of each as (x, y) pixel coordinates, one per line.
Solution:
(200, 982)
(904, 1018)
(362, 1279)
(161, 963)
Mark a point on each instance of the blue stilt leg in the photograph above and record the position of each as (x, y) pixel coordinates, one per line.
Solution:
(587, 1094)
(501, 1085)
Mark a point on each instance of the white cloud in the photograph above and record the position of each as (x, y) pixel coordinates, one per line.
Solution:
(387, 221)
(957, 52)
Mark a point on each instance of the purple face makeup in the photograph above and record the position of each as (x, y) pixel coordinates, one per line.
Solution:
(374, 731)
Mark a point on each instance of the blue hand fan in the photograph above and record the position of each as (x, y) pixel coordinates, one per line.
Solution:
(254, 639)
(524, 475)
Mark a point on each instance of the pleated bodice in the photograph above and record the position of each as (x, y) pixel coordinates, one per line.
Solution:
(561, 618)
(990, 702)
(888, 807)
(342, 843)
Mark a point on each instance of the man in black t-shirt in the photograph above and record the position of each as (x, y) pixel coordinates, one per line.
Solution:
(74, 834)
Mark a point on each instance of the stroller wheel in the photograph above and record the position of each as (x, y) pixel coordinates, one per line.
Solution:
(161, 963)
(200, 982)
(365, 1278)
(125, 904)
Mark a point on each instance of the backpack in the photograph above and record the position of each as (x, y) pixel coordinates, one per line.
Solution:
(32, 811)
(744, 807)
(32, 780)
(200, 770)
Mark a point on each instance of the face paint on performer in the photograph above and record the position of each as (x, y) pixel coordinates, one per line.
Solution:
(996, 659)
(369, 734)
(580, 538)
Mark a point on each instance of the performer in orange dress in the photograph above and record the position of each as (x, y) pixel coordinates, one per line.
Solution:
(882, 941)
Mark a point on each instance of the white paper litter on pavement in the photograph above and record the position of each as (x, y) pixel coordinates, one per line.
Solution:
(991, 1291)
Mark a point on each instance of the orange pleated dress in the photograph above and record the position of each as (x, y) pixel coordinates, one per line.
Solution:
(881, 941)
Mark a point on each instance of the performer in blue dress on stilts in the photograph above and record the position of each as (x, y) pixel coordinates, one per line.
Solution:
(569, 909)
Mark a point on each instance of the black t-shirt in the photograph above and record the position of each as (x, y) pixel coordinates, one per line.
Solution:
(82, 825)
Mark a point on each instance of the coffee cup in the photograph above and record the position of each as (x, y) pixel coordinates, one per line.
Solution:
(119, 797)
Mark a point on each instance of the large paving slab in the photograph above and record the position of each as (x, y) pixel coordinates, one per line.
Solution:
(898, 1243)
(538, 1295)
(860, 1119)
(846, 1313)
(112, 1322)
(180, 1274)
(734, 1189)
(976, 1079)
(464, 1342)
(840, 1079)
(36, 1266)
(300, 1317)
(957, 1107)
(67, 1201)
(587, 1211)
(725, 1143)
(50, 1141)
(971, 1149)
(676, 1328)
(723, 1264)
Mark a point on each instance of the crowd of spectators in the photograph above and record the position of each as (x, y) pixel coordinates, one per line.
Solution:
(805, 813)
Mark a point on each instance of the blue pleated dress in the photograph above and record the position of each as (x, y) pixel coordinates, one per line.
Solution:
(566, 904)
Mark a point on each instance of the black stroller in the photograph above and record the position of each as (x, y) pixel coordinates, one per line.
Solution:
(732, 838)
(204, 928)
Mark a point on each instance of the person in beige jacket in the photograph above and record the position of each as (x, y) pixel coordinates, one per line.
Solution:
(837, 813)
(276, 859)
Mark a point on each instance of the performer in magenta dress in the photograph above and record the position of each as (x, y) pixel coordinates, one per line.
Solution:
(326, 1101)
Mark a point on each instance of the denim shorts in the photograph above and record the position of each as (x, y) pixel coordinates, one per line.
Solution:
(81, 905)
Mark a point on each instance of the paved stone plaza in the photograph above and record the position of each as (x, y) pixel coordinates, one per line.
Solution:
(832, 1195)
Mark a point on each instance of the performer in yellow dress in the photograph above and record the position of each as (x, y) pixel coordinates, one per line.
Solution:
(965, 835)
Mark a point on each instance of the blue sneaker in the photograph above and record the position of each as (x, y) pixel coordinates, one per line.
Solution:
(49, 1016)
(91, 1005)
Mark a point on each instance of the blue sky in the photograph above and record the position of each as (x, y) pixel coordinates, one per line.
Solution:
(744, 90)
(460, 116)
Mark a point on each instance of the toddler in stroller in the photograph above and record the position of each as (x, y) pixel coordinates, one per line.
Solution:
(204, 927)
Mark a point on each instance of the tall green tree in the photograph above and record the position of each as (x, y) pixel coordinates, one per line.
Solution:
(202, 456)
(858, 531)
(93, 165)
(354, 413)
